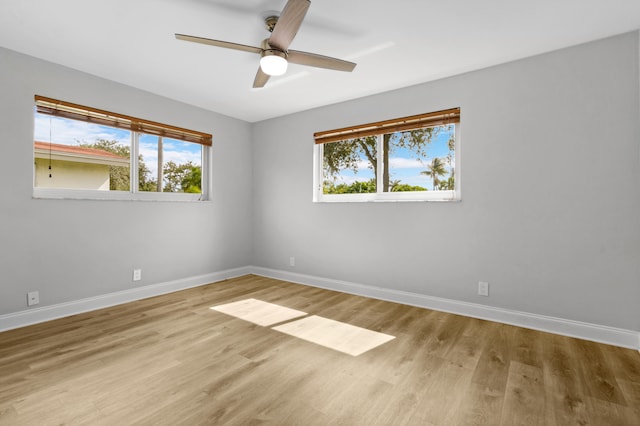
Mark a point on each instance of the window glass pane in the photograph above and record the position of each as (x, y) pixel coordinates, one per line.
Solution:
(73, 154)
(175, 164)
(350, 166)
(420, 160)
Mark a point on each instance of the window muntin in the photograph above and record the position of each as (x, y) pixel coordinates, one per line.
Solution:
(414, 162)
(91, 159)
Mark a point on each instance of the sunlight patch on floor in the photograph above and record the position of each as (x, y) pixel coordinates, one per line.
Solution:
(335, 335)
(258, 312)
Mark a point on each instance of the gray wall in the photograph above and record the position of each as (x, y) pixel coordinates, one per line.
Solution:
(550, 214)
(550, 211)
(69, 250)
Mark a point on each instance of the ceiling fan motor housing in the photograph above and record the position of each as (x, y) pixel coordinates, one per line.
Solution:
(270, 22)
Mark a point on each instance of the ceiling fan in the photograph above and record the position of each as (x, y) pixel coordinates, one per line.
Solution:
(274, 51)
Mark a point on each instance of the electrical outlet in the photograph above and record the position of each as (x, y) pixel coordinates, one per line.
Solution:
(137, 274)
(483, 288)
(33, 298)
(292, 261)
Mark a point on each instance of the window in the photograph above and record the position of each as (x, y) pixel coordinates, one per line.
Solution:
(83, 152)
(406, 159)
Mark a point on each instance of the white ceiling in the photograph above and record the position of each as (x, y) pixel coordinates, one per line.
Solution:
(395, 43)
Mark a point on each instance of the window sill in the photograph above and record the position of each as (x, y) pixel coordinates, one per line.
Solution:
(79, 194)
(395, 197)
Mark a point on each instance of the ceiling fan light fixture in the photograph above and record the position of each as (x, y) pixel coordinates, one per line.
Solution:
(274, 51)
(273, 62)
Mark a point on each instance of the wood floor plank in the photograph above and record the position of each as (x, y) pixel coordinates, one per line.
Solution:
(631, 391)
(440, 401)
(566, 393)
(409, 392)
(493, 367)
(524, 402)
(483, 401)
(480, 406)
(170, 360)
(526, 346)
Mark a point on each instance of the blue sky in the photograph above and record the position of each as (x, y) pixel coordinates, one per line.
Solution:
(73, 132)
(404, 165)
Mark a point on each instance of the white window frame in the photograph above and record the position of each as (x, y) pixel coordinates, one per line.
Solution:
(439, 196)
(133, 194)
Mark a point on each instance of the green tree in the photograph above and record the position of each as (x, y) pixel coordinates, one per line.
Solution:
(192, 181)
(447, 185)
(145, 182)
(404, 187)
(436, 169)
(358, 187)
(185, 177)
(450, 158)
(119, 176)
(346, 154)
(398, 186)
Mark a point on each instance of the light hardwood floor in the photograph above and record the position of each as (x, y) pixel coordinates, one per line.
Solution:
(170, 360)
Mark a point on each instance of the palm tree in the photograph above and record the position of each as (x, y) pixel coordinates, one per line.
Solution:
(436, 169)
(393, 184)
(447, 184)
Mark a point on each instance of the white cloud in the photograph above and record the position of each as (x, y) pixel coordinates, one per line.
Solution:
(405, 163)
(72, 132)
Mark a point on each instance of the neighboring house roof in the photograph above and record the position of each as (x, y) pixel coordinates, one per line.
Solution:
(78, 154)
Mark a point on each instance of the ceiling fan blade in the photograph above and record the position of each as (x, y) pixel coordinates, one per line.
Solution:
(261, 78)
(219, 43)
(288, 23)
(319, 61)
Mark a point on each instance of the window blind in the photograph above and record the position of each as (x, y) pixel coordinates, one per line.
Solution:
(438, 118)
(93, 115)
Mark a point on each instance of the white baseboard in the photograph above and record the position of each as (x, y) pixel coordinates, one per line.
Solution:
(582, 330)
(47, 313)
(565, 327)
